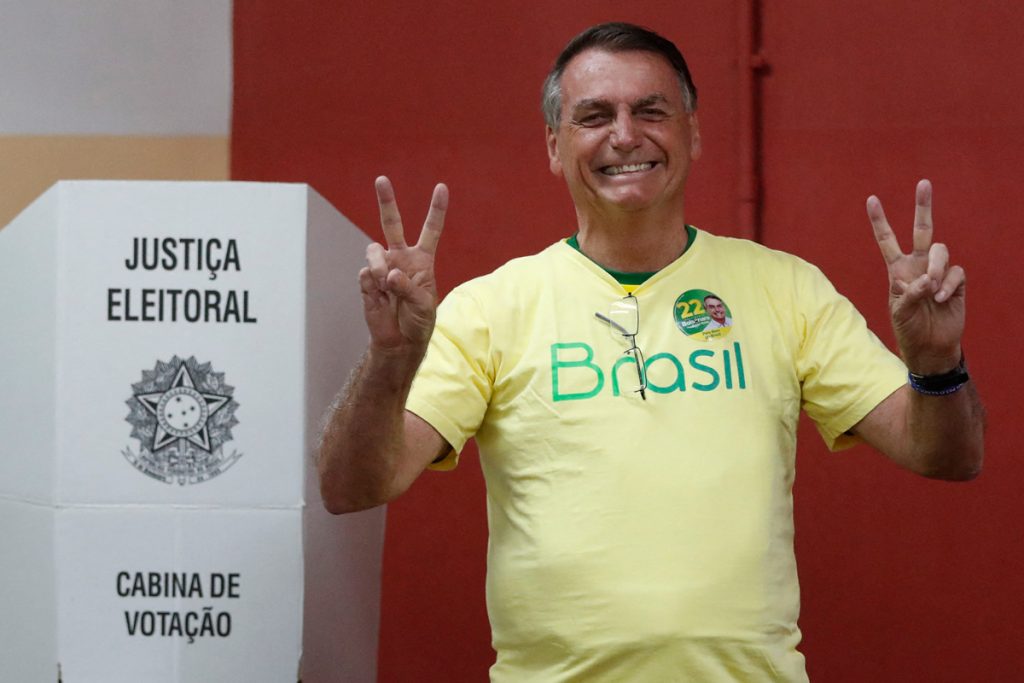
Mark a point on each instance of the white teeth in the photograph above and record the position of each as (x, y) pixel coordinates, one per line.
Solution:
(628, 168)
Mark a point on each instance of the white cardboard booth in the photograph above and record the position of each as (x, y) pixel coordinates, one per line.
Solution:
(167, 352)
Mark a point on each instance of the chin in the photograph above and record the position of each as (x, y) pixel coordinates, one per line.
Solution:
(630, 202)
(635, 197)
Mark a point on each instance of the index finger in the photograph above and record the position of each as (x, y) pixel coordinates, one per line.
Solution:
(923, 218)
(434, 224)
(390, 219)
(884, 235)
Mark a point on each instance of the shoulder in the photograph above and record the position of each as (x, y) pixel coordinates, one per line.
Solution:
(745, 250)
(784, 286)
(516, 277)
(769, 268)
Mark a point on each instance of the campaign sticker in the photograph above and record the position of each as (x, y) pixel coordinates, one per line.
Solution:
(702, 315)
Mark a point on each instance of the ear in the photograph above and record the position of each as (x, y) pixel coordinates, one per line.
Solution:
(554, 163)
(695, 145)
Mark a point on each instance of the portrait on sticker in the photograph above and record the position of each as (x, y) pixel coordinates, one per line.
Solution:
(702, 315)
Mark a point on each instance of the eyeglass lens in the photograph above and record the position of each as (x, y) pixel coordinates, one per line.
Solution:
(624, 317)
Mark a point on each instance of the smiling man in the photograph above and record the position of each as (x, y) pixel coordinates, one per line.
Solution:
(716, 309)
(628, 543)
(624, 145)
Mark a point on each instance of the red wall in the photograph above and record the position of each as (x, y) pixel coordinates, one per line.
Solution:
(903, 579)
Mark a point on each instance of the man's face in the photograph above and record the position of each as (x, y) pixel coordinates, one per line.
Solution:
(716, 309)
(625, 141)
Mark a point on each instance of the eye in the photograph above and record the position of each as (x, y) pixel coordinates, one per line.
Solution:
(592, 119)
(653, 113)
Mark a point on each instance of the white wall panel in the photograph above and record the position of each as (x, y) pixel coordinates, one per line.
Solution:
(115, 67)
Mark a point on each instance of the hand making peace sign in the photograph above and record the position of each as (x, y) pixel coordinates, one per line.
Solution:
(926, 294)
(398, 285)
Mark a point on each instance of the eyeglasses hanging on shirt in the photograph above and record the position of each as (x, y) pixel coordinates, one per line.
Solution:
(623, 321)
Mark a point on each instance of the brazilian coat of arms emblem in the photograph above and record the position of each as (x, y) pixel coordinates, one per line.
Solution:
(181, 413)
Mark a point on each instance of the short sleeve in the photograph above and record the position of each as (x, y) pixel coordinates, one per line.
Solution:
(453, 386)
(844, 369)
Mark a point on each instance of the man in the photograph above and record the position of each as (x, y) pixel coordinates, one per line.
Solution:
(619, 551)
(716, 309)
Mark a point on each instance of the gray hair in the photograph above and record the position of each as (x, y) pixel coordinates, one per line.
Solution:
(614, 37)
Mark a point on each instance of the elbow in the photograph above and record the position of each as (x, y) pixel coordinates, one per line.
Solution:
(336, 505)
(962, 474)
(341, 500)
(333, 502)
(968, 471)
(346, 487)
(331, 495)
(341, 494)
(972, 461)
(965, 468)
(341, 504)
(972, 469)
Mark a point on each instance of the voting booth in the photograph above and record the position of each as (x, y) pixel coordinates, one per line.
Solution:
(167, 354)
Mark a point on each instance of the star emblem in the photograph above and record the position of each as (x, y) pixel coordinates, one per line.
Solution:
(182, 411)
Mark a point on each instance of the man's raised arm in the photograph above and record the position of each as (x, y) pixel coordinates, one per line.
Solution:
(934, 425)
(372, 448)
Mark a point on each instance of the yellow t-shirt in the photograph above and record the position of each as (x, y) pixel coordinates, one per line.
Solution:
(647, 540)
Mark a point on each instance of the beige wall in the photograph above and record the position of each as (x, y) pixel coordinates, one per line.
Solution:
(30, 164)
(112, 89)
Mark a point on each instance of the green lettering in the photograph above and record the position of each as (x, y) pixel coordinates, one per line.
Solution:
(728, 370)
(739, 365)
(587, 362)
(615, 371)
(697, 365)
(680, 383)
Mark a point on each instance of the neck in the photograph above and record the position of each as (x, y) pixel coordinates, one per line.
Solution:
(632, 243)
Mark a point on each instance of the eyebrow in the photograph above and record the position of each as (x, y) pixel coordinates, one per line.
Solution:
(653, 98)
(600, 103)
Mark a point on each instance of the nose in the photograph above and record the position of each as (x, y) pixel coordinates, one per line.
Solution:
(625, 134)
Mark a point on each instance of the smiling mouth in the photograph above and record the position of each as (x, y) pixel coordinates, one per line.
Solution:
(627, 168)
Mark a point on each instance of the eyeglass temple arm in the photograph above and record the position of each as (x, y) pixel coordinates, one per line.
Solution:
(620, 328)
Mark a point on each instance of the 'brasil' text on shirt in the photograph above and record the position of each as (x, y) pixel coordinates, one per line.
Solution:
(715, 368)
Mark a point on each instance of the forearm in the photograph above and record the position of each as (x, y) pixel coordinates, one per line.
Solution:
(364, 439)
(944, 435)
(941, 437)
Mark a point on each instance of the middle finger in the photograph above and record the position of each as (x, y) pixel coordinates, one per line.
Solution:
(923, 218)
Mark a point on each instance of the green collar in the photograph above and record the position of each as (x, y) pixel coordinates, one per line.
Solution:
(631, 278)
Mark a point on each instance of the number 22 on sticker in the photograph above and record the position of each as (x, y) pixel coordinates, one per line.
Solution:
(686, 311)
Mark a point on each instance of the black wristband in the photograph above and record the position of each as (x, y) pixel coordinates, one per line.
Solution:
(940, 385)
